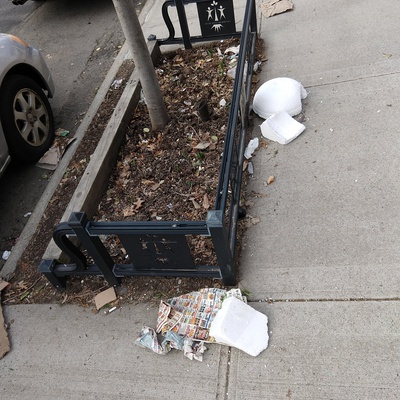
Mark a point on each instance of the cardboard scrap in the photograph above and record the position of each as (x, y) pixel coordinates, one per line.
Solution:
(3, 284)
(105, 297)
(4, 341)
(52, 157)
(272, 7)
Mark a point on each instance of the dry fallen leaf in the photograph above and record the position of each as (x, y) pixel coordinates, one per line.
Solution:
(270, 180)
(125, 174)
(138, 203)
(250, 221)
(147, 182)
(22, 285)
(151, 146)
(206, 202)
(202, 146)
(257, 195)
(195, 204)
(249, 203)
(177, 60)
(128, 211)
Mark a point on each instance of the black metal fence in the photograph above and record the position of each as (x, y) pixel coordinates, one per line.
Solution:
(160, 248)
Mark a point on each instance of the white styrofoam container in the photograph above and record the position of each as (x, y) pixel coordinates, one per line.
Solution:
(281, 128)
(239, 325)
(279, 94)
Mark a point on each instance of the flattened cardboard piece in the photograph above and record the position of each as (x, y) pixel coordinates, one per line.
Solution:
(50, 159)
(3, 284)
(105, 297)
(4, 341)
(273, 7)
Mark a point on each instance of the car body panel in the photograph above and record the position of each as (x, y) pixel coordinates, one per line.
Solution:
(17, 57)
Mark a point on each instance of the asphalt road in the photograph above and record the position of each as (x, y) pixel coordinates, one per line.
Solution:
(11, 15)
(79, 39)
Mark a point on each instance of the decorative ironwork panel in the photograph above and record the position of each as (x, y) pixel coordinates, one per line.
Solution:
(158, 251)
(216, 17)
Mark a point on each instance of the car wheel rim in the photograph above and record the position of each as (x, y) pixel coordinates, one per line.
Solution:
(31, 117)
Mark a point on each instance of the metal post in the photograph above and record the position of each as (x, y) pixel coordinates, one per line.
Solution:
(221, 246)
(78, 223)
(47, 267)
(180, 8)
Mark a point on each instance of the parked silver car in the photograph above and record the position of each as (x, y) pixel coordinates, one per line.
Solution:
(26, 118)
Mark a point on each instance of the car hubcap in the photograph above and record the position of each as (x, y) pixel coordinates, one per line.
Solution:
(31, 117)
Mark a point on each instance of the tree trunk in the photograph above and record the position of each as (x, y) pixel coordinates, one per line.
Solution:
(143, 64)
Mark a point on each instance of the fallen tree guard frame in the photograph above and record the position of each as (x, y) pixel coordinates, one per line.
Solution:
(159, 248)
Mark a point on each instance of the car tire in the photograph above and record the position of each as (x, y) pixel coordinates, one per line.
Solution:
(26, 117)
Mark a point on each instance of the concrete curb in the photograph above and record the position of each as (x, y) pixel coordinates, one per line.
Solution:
(95, 178)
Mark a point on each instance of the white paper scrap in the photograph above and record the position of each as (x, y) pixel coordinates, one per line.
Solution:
(251, 148)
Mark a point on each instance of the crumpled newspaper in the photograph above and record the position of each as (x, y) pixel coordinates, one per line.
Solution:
(191, 349)
(148, 339)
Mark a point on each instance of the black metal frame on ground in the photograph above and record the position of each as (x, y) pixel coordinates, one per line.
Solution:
(160, 248)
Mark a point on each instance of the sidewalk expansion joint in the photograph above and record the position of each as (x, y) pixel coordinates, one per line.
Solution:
(224, 373)
(361, 78)
(348, 299)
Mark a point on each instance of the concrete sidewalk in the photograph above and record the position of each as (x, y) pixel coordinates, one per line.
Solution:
(324, 251)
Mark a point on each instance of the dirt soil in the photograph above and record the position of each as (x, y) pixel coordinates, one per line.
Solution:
(170, 174)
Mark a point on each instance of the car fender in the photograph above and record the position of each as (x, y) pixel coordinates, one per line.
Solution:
(18, 57)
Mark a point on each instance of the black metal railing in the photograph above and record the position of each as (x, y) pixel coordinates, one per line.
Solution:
(160, 248)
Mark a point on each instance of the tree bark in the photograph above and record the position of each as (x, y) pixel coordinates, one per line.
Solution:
(143, 64)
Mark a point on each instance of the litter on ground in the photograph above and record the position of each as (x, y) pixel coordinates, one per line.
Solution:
(279, 94)
(281, 128)
(186, 321)
(273, 7)
(4, 340)
(277, 101)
